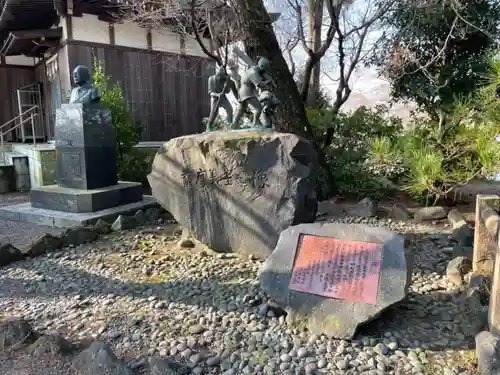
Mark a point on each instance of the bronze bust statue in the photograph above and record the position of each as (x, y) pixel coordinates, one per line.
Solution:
(84, 92)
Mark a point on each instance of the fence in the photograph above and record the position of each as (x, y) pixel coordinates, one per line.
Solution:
(486, 258)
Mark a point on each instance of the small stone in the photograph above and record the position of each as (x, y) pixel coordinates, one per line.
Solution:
(187, 243)
(99, 359)
(9, 254)
(140, 217)
(322, 363)
(152, 214)
(393, 345)
(213, 361)
(302, 352)
(488, 357)
(285, 358)
(196, 329)
(14, 333)
(123, 223)
(381, 349)
(342, 365)
(44, 244)
(78, 236)
(431, 213)
(113, 335)
(102, 227)
(364, 208)
(398, 212)
(195, 358)
(457, 269)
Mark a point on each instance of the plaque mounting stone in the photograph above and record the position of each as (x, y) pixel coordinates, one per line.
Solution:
(334, 268)
(304, 275)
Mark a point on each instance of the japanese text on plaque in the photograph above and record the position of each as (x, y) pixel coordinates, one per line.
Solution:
(335, 268)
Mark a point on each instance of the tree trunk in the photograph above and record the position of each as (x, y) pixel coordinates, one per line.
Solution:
(315, 22)
(258, 36)
(259, 39)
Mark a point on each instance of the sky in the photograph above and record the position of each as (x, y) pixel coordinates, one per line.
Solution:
(367, 87)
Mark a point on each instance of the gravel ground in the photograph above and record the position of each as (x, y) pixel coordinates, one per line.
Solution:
(19, 234)
(142, 294)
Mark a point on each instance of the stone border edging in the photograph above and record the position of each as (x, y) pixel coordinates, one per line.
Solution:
(77, 236)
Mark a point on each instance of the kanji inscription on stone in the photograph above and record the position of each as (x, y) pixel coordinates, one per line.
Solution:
(342, 269)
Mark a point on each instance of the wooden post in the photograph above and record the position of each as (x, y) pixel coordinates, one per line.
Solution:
(494, 309)
(485, 234)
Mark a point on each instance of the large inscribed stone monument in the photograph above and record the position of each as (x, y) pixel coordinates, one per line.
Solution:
(333, 277)
(237, 190)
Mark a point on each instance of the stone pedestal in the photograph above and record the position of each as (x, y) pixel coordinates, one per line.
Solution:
(85, 147)
(84, 201)
(87, 182)
(333, 277)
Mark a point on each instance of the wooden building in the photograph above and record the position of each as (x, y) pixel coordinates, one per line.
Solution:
(163, 74)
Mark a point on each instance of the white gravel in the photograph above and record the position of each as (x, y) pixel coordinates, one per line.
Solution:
(145, 296)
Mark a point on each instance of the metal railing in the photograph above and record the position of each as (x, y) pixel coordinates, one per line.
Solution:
(32, 112)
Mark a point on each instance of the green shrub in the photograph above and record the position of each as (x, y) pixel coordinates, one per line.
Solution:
(130, 162)
(347, 155)
(437, 157)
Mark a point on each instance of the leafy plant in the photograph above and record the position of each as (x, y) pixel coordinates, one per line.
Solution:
(128, 132)
(439, 156)
(435, 52)
(347, 155)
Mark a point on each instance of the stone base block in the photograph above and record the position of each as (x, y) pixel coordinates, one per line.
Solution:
(63, 199)
(26, 213)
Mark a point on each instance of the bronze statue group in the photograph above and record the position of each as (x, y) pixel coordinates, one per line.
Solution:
(253, 90)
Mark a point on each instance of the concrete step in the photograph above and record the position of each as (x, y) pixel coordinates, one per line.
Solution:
(20, 163)
(7, 179)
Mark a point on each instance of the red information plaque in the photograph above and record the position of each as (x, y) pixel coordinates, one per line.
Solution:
(335, 268)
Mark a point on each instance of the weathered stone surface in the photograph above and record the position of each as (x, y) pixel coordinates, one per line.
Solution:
(50, 344)
(456, 218)
(152, 214)
(123, 222)
(430, 213)
(463, 235)
(140, 217)
(102, 227)
(186, 240)
(14, 333)
(488, 353)
(99, 359)
(236, 191)
(78, 236)
(398, 212)
(43, 244)
(462, 251)
(329, 209)
(167, 367)
(457, 268)
(335, 317)
(9, 254)
(364, 208)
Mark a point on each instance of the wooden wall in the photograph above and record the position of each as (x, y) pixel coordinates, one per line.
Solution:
(12, 78)
(167, 93)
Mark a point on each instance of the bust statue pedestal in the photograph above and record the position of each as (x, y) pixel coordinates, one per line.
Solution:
(86, 164)
(85, 147)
